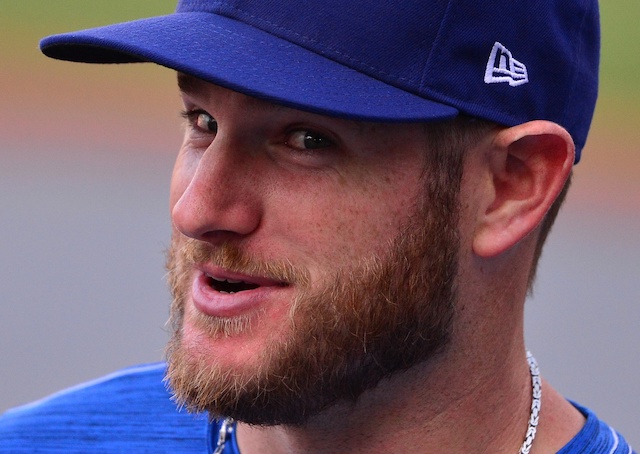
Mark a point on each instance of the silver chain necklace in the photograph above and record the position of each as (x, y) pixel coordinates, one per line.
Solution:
(536, 396)
(228, 424)
(224, 434)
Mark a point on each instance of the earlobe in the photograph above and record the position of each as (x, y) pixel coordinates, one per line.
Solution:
(528, 166)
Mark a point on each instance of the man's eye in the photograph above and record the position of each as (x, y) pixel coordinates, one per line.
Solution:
(308, 140)
(201, 120)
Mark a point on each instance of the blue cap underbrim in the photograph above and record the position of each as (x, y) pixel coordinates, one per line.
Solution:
(248, 60)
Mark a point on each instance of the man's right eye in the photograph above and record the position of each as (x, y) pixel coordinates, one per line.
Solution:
(201, 120)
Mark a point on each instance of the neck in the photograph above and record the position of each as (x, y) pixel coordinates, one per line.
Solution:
(432, 406)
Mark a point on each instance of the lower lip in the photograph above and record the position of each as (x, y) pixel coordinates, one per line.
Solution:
(216, 304)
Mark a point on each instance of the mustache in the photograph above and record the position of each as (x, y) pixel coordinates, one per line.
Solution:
(233, 258)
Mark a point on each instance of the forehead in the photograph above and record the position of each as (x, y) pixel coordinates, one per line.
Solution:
(193, 86)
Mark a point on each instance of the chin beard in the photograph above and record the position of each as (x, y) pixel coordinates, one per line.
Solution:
(383, 316)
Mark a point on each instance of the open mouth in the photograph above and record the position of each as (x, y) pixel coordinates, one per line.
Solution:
(222, 293)
(230, 285)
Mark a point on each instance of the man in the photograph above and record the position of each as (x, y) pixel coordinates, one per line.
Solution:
(358, 208)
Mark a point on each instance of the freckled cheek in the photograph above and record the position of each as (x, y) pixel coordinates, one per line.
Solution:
(340, 229)
(370, 224)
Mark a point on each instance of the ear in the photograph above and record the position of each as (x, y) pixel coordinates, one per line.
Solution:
(528, 167)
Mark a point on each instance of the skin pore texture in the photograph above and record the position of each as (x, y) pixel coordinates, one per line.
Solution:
(372, 298)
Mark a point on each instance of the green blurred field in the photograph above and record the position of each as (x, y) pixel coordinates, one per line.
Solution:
(621, 54)
(69, 14)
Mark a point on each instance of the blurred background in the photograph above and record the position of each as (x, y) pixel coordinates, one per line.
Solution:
(85, 160)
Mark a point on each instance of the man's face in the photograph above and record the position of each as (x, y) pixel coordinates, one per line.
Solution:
(309, 258)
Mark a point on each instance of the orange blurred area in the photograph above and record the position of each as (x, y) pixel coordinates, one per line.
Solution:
(78, 107)
(607, 179)
(58, 105)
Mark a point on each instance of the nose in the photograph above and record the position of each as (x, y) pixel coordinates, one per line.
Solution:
(217, 196)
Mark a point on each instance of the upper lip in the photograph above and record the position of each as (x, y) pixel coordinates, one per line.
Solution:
(220, 274)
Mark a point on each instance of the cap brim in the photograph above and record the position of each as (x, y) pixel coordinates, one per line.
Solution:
(245, 59)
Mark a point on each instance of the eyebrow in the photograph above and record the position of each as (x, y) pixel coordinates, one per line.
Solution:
(186, 83)
(192, 85)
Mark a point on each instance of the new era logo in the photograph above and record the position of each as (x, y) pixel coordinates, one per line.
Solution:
(502, 67)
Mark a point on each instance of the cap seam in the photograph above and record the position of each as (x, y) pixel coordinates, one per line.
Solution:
(436, 41)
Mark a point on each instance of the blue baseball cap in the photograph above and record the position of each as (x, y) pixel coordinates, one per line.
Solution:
(375, 60)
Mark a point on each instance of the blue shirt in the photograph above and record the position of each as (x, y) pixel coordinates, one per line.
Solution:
(131, 411)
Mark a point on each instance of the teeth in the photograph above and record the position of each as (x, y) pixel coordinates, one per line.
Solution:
(230, 281)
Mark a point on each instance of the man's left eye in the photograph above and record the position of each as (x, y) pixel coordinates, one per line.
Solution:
(309, 140)
(201, 120)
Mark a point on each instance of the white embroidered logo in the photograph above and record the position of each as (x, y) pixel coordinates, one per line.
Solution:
(502, 67)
